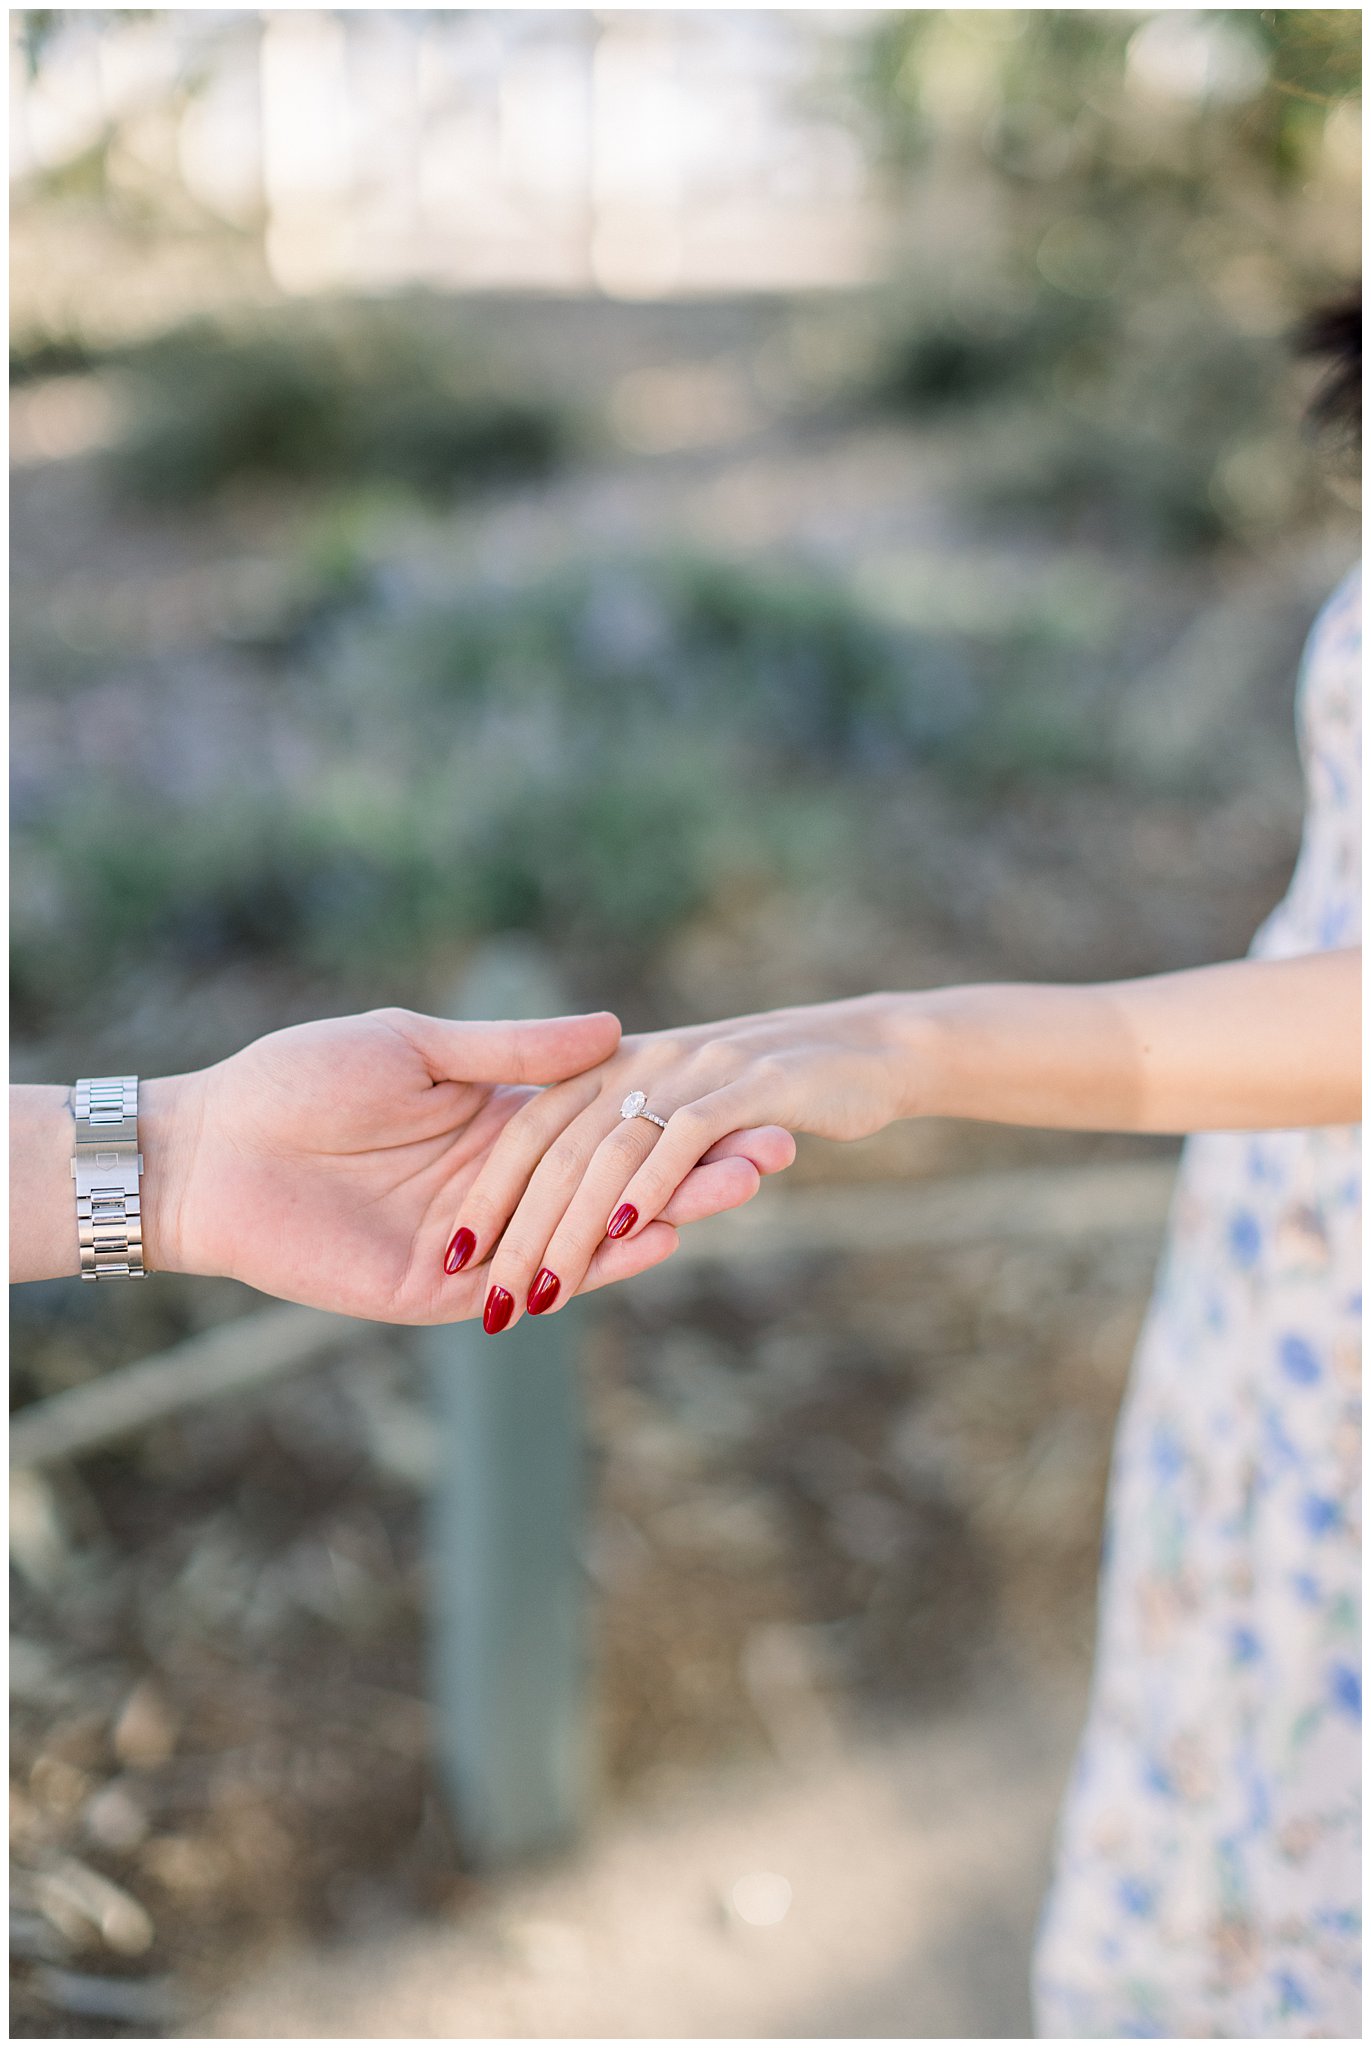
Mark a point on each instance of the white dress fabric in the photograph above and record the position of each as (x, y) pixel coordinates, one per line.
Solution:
(1208, 1862)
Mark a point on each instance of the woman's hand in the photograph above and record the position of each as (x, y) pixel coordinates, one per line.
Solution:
(569, 1178)
(323, 1163)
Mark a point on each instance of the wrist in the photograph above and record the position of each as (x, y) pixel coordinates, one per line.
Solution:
(170, 1120)
(915, 1037)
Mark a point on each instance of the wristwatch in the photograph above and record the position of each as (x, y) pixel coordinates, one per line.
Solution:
(106, 1167)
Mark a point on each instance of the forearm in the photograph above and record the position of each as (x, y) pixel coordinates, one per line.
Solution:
(43, 1242)
(42, 1201)
(1246, 1045)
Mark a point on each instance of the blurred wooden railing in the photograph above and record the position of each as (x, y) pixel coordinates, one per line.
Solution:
(1021, 1205)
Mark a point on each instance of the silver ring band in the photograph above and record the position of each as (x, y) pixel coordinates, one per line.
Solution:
(635, 1104)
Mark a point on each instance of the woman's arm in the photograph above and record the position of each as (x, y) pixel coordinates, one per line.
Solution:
(1249, 1045)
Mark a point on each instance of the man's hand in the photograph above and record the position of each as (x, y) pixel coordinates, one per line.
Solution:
(324, 1163)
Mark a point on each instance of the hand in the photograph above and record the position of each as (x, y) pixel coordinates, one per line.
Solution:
(323, 1163)
(568, 1178)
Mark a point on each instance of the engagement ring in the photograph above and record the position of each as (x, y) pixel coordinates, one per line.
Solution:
(636, 1105)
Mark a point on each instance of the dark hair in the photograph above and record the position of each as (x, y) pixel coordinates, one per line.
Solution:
(1332, 335)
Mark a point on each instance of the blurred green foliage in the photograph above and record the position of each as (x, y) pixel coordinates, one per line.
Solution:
(1315, 51)
(38, 355)
(602, 753)
(595, 755)
(1111, 413)
(381, 397)
(1057, 98)
(948, 353)
(1150, 424)
(1135, 316)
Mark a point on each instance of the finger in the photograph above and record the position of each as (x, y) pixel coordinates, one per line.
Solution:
(730, 1173)
(690, 1135)
(600, 1149)
(728, 1176)
(494, 1195)
(708, 1190)
(581, 1226)
(770, 1149)
(526, 1049)
(615, 1261)
(612, 1262)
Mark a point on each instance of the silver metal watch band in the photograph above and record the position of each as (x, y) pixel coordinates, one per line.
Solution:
(106, 1166)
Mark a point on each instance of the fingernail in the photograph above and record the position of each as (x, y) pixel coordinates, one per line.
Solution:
(460, 1250)
(499, 1309)
(543, 1292)
(622, 1221)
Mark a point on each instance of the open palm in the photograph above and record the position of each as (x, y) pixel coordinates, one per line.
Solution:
(329, 1158)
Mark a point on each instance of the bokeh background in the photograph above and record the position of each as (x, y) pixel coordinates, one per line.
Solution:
(737, 507)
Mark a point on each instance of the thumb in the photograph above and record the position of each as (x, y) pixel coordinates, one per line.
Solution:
(527, 1049)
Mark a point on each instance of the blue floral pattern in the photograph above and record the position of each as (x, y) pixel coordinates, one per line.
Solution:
(1208, 1865)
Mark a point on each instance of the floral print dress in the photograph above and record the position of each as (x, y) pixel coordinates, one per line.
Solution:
(1208, 1863)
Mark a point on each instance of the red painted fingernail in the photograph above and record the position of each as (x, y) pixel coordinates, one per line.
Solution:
(622, 1221)
(460, 1250)
(499, 1309)
(543, 1292)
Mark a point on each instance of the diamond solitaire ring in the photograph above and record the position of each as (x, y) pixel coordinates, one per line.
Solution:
(636, 1105)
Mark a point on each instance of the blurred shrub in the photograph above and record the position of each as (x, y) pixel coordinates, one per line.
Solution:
(381, 400)
(960, 351)
(1146, 172)
(596, 756)
(780, 659)
(1063, 98)
(37, 354)
(1132, 446)
(1113, 419)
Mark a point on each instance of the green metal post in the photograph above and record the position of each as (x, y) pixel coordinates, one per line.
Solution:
(507, 1592)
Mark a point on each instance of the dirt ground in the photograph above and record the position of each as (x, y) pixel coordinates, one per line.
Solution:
(885, 1889)
(841, 1518)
